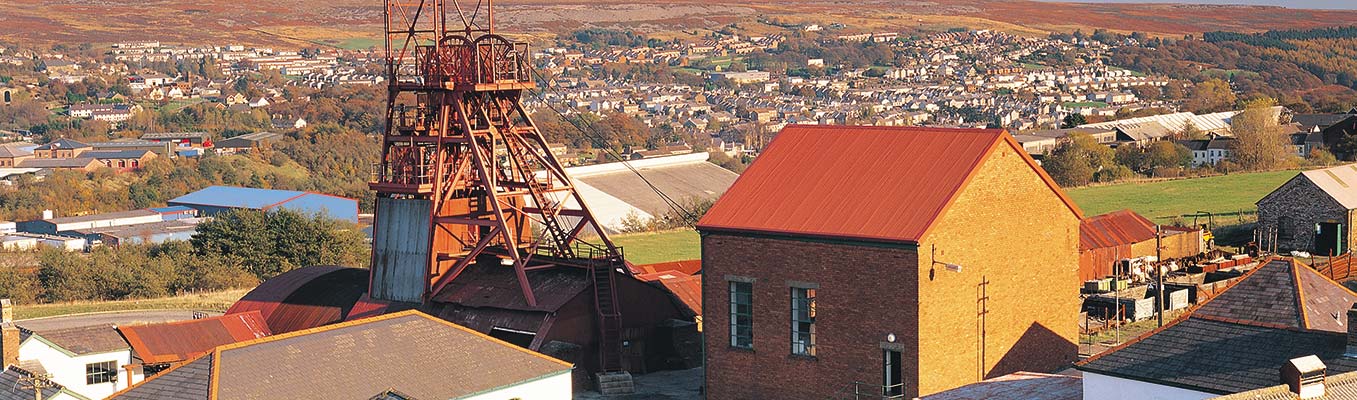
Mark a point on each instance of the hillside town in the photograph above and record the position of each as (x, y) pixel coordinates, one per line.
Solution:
(788, 210)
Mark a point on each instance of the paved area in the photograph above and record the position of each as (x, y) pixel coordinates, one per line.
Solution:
(664, 385)
(107, 318)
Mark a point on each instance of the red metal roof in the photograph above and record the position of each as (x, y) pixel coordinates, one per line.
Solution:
(182, 340)
(684, 267)
(1114, 229)
(686, 288)
(306, 297)
(859, 182)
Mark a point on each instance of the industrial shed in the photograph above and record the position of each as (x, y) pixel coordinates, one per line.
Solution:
(1105, 240)
(217, 199)
(919, 259)
(615, 193)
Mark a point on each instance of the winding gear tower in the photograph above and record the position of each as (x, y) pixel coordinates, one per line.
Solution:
(466, 178)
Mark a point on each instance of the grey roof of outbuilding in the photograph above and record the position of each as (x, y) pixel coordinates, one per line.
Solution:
(1238, 340)
(12, 389)
(63, 143)
(86, 339)
(190, 380)
(115, 154)
(1321, 121)
(420, 355)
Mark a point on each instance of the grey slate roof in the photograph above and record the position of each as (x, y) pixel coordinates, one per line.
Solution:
(186, 381)
(417, 354)
(86, 339)
(114, 154)
(1322, 121)
(12, 389)
(1336, 387)
(1238, 340)
(63, 143)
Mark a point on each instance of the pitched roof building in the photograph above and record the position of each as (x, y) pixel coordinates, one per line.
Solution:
(864, 241)
(1234, 342)
(409, 352)
(1312, 211)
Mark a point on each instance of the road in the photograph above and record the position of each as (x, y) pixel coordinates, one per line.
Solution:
(107, 318)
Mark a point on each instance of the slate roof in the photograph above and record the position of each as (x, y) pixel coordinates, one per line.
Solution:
(189, 380)
(63, 143)
(12, 389)
(423, 356)
(82, 162)
(85, 339)
(871, 183)
(1321, 121)
(1239, 339)
(10, 150)
(1017, 386)
(1336, 387)
(115, 154)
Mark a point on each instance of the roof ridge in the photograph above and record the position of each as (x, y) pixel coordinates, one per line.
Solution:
(1186, 315)
(318, 329)
(1304, 322)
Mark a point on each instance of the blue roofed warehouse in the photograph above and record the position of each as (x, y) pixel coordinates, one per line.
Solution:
(217, 199)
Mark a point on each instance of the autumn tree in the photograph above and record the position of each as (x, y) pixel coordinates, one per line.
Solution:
(1075, 162)
(1260, 143)
(1212, 95)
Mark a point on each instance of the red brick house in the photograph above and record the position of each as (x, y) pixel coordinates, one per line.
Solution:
(903, 260)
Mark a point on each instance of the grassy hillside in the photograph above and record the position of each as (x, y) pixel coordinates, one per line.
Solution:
(211, 301)
(1163, 200)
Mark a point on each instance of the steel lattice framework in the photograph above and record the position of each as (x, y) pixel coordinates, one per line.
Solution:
(459, 141)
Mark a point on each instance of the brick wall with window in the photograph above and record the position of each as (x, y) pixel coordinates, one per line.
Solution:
(845, 322)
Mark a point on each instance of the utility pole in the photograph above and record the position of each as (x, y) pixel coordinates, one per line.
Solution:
(37, 383)
(1159, 273)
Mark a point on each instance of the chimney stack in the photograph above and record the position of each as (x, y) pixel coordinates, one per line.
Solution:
(1305, 376)
(9, 336)
(1352, 332)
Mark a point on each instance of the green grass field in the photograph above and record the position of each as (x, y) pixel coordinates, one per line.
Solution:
(648, 248)
(211, 301)
(1163, 200)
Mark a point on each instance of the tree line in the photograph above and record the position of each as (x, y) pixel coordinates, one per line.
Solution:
(237, 249)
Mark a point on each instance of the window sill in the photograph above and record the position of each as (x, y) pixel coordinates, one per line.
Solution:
(806, 357)
(743, 349)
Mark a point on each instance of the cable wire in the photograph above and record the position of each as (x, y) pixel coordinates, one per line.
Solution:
(600, 142)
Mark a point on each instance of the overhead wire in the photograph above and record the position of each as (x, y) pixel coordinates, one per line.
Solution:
(602, 143)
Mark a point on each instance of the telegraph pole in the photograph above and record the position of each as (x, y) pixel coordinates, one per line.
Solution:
(37, 383)
(1159, 273)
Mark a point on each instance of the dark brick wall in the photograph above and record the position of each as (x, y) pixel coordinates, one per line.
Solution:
(864, 294)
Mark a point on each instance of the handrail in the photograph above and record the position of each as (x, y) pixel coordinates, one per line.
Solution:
(864, 391)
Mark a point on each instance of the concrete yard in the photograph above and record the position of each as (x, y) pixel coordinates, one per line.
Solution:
(664, 385)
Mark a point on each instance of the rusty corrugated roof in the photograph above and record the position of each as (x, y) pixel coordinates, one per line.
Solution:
(183, 340)
(684, 267)
(1114, 229)
(306, 297)
(859, 182)
(686, 288)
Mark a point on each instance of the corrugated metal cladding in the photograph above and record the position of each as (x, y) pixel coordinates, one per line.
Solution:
(400, 247)
(1114, 229)
(882, 183)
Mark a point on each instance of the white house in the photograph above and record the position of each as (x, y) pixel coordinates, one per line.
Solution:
(89, 361)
